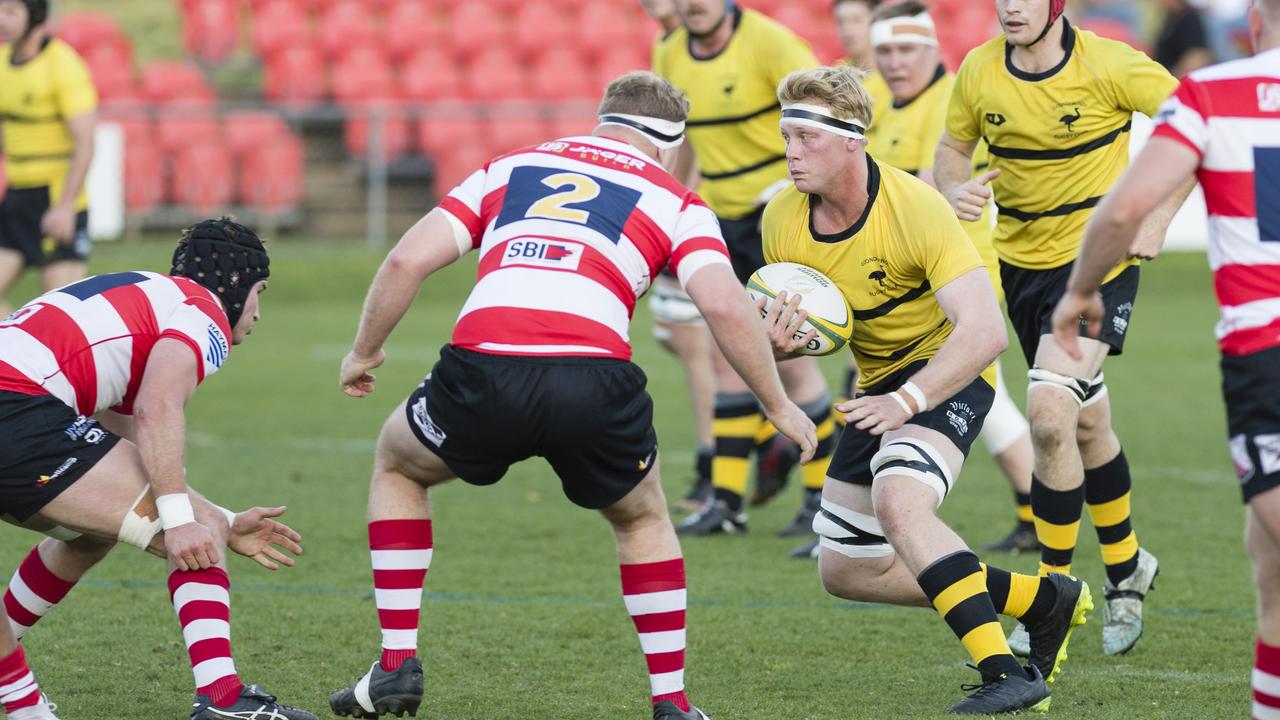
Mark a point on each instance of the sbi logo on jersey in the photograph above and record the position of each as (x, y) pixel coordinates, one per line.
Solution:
(556, 254)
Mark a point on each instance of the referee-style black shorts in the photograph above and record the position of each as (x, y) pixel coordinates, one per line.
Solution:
(746, 244)
(1032, 296)
(21, 212)
(46, 448)
(591, 418)
(960, 418)
(1251, 388)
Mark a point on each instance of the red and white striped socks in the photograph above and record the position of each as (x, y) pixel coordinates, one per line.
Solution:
(202, 599)
(18, 688)
(400, 551)
(655, 597)
(1266, 682)
(33, 591)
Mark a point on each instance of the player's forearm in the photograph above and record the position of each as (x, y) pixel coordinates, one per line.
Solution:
(78, 170)
(393, 291)
(160, 429)
(951, 168)
(970, 349)
(737, 330)
(1106, 243)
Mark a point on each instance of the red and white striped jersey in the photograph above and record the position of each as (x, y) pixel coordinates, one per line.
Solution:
(571, 233)
(87, 344)
(1230, 115)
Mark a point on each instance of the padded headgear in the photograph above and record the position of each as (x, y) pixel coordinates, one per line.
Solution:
(1056, 8)
(37, 12)
(225, 257)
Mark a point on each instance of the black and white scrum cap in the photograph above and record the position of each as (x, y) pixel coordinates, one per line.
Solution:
(664, 134)
(821, 118)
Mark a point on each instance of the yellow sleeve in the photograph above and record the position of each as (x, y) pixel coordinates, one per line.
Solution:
(962, 116)
(76, 93)
(790, 55)
(1141, 84)
(942, 248)
(769, 230)
(931, 133)
(655, 59)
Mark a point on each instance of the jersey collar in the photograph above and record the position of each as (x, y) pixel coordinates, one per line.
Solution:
(938, 74)
(13, 53)
(873, 190)
(737, 20)
(1068, 44)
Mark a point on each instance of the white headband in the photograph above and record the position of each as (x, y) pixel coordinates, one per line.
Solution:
(662, 133)
(917, 30)
(822, 119)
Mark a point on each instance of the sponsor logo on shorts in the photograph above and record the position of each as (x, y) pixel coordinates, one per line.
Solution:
(648, 460)
(81, 428)
(95, 436)
(62, 470)
(960, 415)
(1268, 452)
(1121, 320)
(218, 347)
(1239, 447)
(424, 422)
(543, 253)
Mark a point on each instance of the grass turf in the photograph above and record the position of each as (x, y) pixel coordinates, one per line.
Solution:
(522, 617)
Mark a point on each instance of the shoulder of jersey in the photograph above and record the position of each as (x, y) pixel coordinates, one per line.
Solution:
(988, 51)
(916, 194)
(785, 199)
(673, 42)
(758, 23)
(5, 51)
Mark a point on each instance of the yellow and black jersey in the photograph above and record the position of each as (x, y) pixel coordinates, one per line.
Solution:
(733, 121)
(36, 99)
(905, 135)
(1061, 137)
(907, 244)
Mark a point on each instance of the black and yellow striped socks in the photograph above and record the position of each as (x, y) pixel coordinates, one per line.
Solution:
(1023, 502)
(1022, 597)
(737, 421)
(1057, 518)
(1107, 491)
(957, 587)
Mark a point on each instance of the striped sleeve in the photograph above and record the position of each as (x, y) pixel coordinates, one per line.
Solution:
(207, 336)
(697, 241)
(1184, 116)
(462, 207)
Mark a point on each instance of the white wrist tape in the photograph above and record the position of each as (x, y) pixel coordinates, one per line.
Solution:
(175, 509)
(916, 394)
(231, 516)
(905, 407)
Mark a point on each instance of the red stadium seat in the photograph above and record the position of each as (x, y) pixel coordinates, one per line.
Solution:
(179, 125)
(202, 179)
(144, 177)
(497, 74)
(603, 26)
(112, 78)
(165, 80)
(83, 30)
(1111, 29)
(437, 135)
(567, 124)
(397, 138)
(410, 27)
(538, 26)
(476, 24)
(363, 74)
(562, 73)
(428, 76)
(457, 164)
(272, 177)
(514, 132)
(295, 76)
(251, 131)
(346, 25)
(279, 25)
(617, 62)
(211, 29)
(799, 18)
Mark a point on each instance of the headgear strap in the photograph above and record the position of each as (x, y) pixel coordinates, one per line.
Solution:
(665, 134)
(821, 118)
(1056, 8)
(914, 29)
(225, 257)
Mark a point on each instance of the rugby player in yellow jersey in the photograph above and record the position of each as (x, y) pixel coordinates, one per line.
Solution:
(1055, 105)
(728, 61)
(47, 109)
(926, 330)
(905, 134)
(853, 23)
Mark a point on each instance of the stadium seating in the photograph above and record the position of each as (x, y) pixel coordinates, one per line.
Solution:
(346, 25)
(279, 25)
(538, 26)
(485, 27)
(271, 177)
(516, 131)
(179, 125)
(438, 135)
(409, 28)
(83, 30)
(295, 76)
(423, 81)
(397, 134)
(363, 74)
(562, 73)
(211, 29)
(144, 188)
(252, 131)
(202, 178)
(497, 74)
(602, 26)
(166, 81)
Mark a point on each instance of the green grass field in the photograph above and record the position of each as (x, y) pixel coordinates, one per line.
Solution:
(522, 616)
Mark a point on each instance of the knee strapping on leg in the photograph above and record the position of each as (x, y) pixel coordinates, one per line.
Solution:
(1004, 423)
(849, 532)
(1077, 387)
(142, 522)
(1097, 390)
(915, 459)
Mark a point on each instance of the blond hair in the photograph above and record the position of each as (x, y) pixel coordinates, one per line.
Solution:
(643, 93)
(839, 88)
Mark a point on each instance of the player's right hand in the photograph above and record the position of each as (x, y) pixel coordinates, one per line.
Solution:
(792, 422)
(354, 377)
(191, 547)
(782, 320)
(970, 199)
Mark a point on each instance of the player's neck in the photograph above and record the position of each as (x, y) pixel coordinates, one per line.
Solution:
(714, 42)
(1044, 55)
(670, 23)
(840, 208)
(29, 46)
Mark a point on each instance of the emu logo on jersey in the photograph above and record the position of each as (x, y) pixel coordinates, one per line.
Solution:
(1269, 97)
(218, 347)
(555, 254)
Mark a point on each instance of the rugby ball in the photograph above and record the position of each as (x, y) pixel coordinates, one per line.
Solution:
(829, 312)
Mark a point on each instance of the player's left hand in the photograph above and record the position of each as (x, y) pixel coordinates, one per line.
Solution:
(1071, 310)
(1146, 246)
(877, 414)
(782, 320)
(354, 377)
(256, 535)
(59, 223)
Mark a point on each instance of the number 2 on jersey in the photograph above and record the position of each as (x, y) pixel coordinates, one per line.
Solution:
(545, 193)
(553, 207)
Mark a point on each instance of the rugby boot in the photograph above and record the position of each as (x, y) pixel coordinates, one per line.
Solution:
(254, 703)
(667, 710)
(379, 692)
(802, 524)
(808, 551)
(1021, 539)
(1050, 635)
(1005, 695)
(714, 518)
(774, 462)
(1122, 612)
(42, 710)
